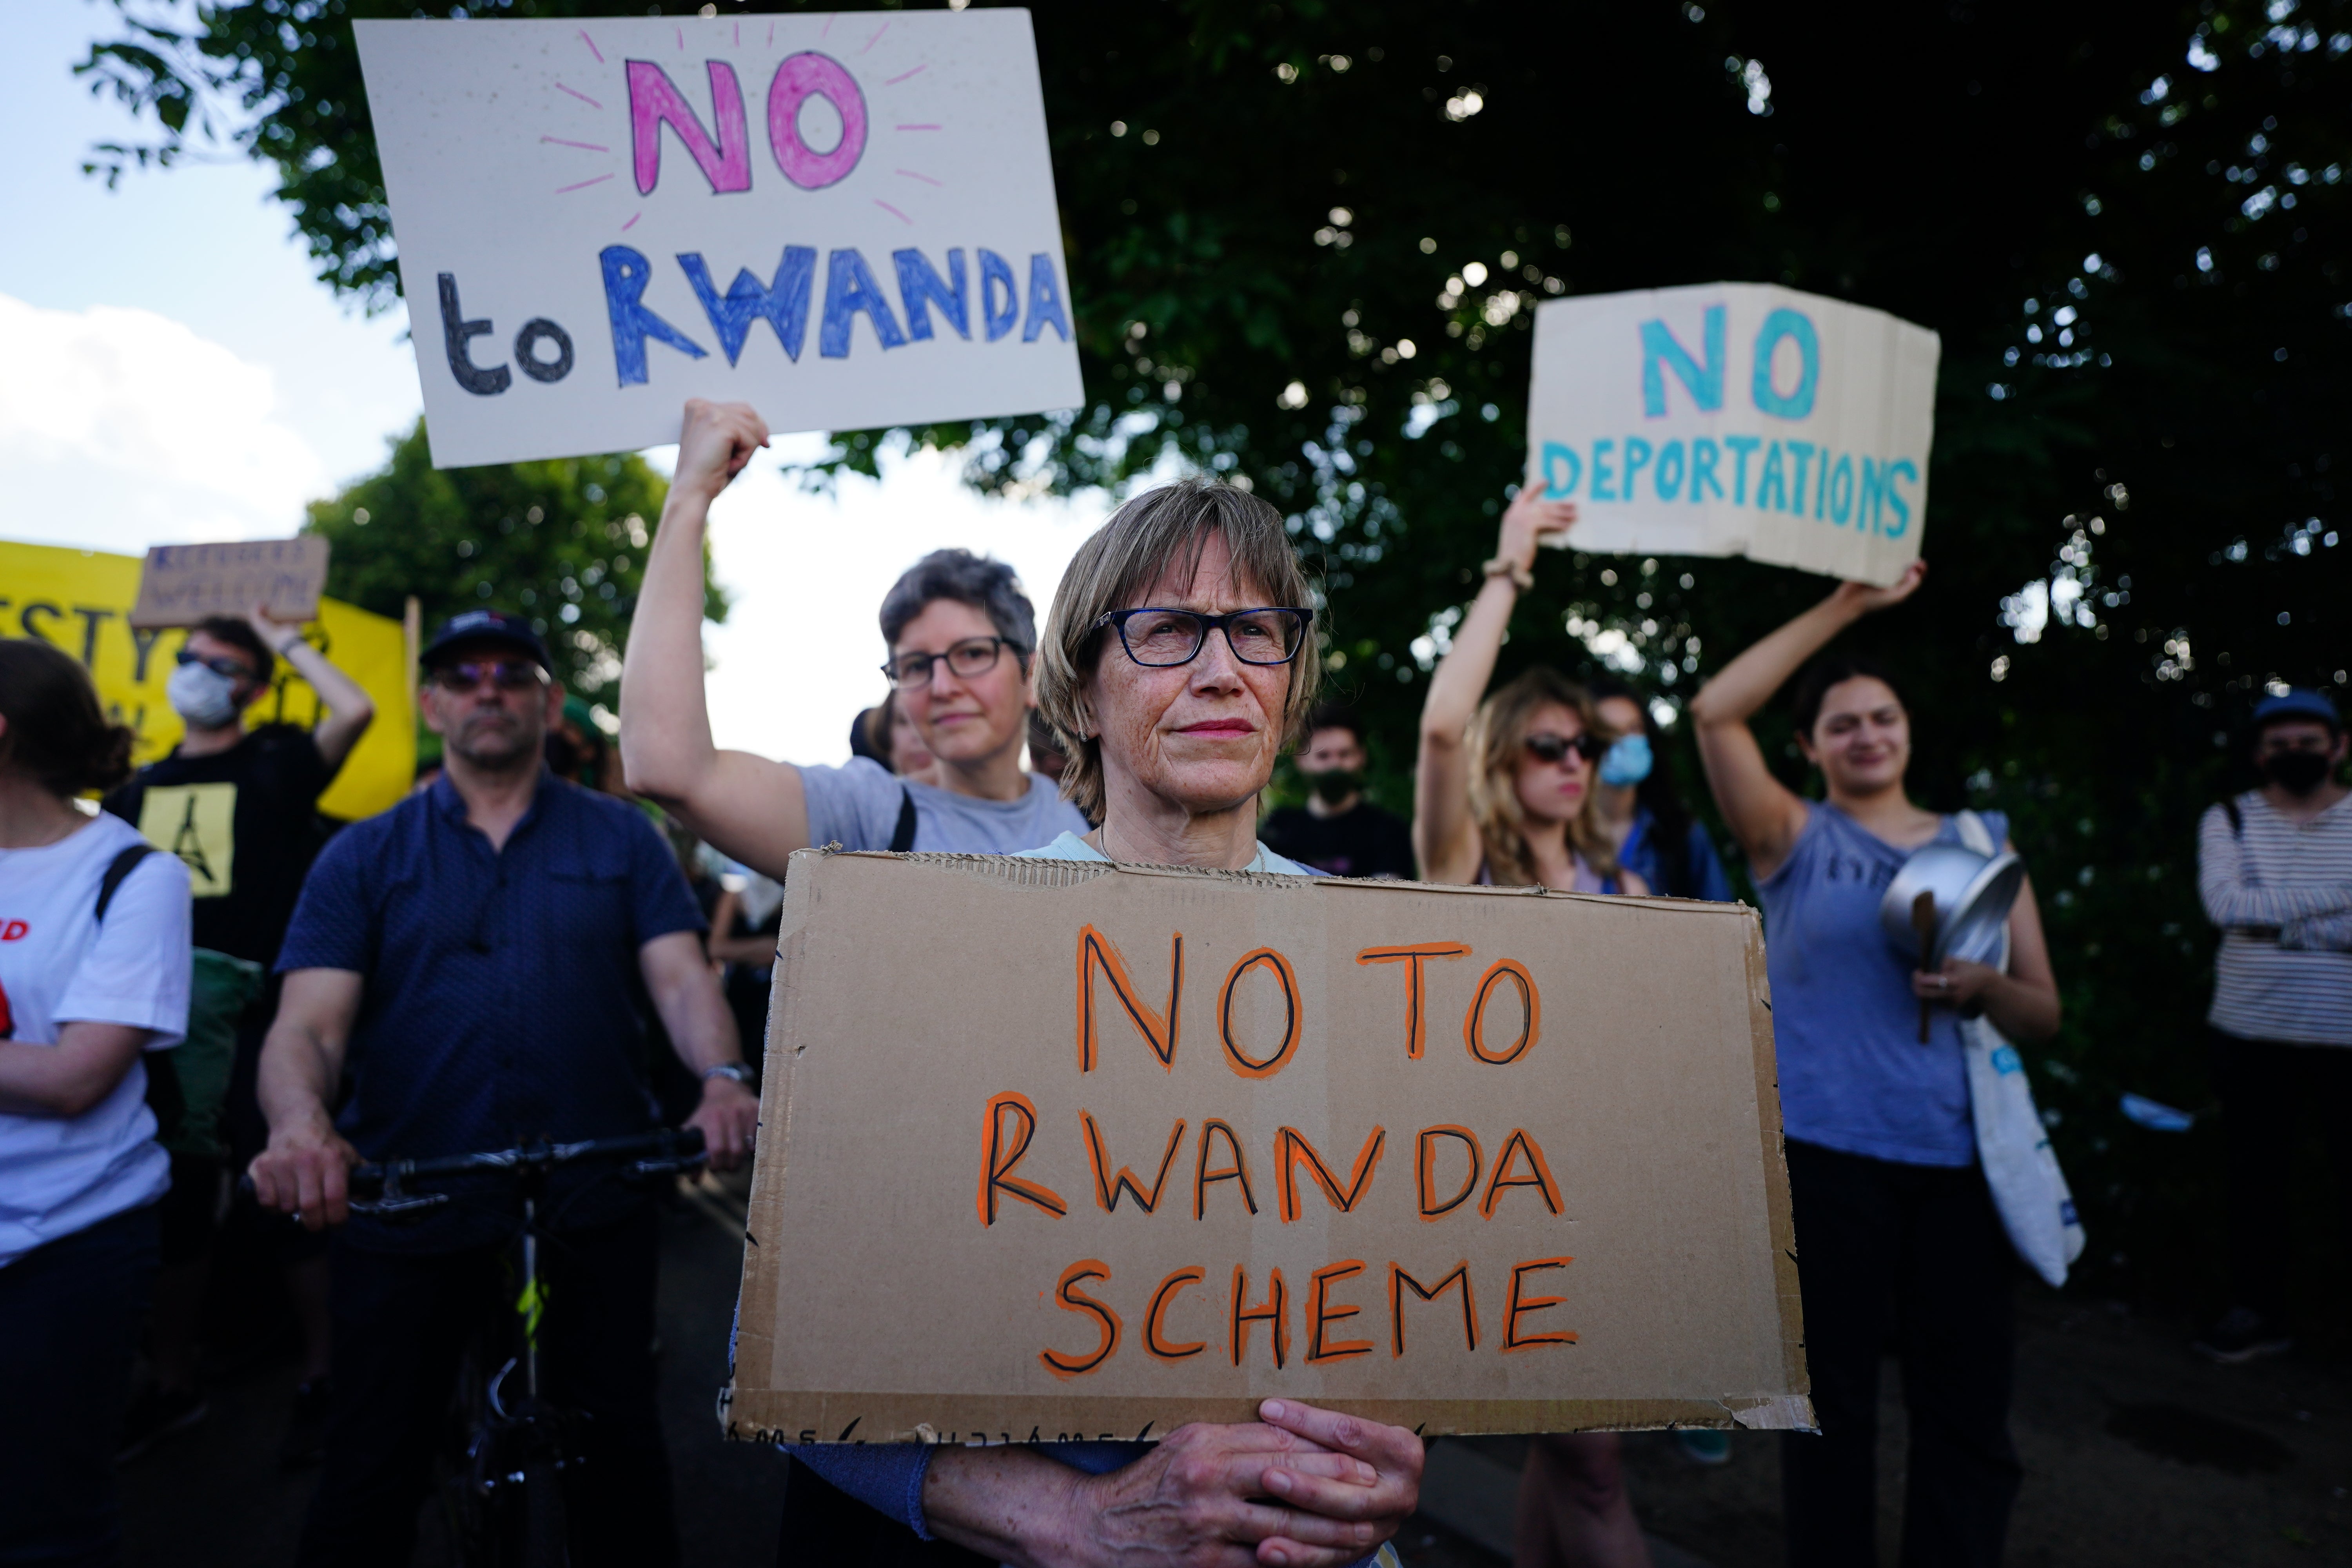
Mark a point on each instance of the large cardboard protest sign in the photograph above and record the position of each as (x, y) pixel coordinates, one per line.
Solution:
(1057, 1150)
(1737, 419)
(181, 584)
(845, 219)
(81, 601)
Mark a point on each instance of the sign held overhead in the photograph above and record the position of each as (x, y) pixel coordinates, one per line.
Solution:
(1737, 419)
(183, 584)
(845, 220)
(1145, 1145)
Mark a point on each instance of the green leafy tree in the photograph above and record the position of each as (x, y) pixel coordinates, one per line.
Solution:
(561, 542)
(1306, 242)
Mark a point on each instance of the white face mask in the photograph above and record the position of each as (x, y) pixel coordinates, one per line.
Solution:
(201, 695)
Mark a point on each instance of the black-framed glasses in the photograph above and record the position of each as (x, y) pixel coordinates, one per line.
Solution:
(1551, 748)
(220, 664)
(505, 674)
(972, 656)
(1158, 638)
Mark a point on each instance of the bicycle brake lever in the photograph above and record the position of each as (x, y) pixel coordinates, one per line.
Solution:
(399, 1205)
(676, 1165)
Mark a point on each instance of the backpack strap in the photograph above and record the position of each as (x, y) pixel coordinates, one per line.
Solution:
(2237, 818)
(117, 870)
(902, 837)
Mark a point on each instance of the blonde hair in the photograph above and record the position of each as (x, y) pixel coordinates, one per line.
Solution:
(1161, 529)
(1496, 753)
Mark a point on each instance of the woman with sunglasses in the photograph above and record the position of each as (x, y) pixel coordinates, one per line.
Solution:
(1506, 787)
(1179, 660)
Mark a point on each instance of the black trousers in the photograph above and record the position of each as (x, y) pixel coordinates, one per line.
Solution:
(1912, 1257)
(402, 1326)
(69, 1316)
(2267, 1087)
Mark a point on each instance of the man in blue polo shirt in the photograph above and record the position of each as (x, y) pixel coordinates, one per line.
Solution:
(472, 963)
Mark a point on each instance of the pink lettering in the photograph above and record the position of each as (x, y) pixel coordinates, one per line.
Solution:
(801, 77)
(654, 102)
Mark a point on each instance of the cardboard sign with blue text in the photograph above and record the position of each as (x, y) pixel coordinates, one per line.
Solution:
(845, 220)
(1737, 419)
(1055, 1150)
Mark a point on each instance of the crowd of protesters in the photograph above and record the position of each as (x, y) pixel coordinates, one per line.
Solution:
(198, 982)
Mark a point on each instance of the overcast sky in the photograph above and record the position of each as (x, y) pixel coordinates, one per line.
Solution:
(172, 371)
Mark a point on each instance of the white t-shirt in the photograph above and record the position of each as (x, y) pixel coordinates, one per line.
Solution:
(59, 1175)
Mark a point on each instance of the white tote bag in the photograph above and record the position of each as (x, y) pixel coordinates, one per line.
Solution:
(2021, 1167)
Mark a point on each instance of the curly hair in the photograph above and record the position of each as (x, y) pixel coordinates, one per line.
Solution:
(1495, 757)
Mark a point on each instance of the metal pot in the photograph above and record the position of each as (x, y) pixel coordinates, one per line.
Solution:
(1973, 895)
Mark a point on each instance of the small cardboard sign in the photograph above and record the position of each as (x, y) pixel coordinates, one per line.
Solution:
(1737, 419)
(1055, 1150)
(183, 584)
(846, 220)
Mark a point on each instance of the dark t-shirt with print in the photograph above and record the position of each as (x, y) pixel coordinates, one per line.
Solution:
(245, 823)
(1364, 842)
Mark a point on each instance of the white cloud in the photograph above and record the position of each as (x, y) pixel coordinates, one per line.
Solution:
(120, 428)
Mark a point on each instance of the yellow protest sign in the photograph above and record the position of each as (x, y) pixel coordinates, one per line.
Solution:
(80, 600)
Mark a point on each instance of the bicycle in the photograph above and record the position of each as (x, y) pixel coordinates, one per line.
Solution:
(504, 1496)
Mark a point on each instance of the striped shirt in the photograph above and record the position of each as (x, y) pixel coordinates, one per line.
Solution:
(2282, 893)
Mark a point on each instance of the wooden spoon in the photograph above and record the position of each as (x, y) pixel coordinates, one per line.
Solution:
(1923, 922)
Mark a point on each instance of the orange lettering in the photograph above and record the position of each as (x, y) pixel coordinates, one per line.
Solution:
(1237, 1172)
(1399, 1282)
(1425, 1168)
(1319, 1314)
(1234, 1057)
(1153, 1320)
(1070, 1298)
(1474, 1024)
(1291, 1148)
(996, 1159)
(1107, 1188)
(1511, 1314)
(1270, 1310)
(1096, 950)
(1416, 1010)
(1539, 1175)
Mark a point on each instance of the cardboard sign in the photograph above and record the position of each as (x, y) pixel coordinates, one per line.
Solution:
(183, 584)
(1737, 419)
(80, 600)
(1059, 1149)
(846, 220)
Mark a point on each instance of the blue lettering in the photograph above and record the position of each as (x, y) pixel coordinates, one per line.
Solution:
(995, 273)
(920, 286)
(1873, 497)
(1786, 323)
(1555, 454)
(782, 304)
(849, 288)
(1637, 458)
(1772, 487)
(1600, 474)
(1803, 451)
(626, 273)
(1045, 301)
(1842, 490)
(1666, 479)
(1821, 480)
(1704, 452)
(1745, 447)
(1902, 507)
(1704, 382)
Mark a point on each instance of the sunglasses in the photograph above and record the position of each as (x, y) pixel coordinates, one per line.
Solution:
(505, 674)
(222, 666)
(1551, 748)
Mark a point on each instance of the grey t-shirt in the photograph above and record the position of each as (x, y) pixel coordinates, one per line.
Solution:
(856, 807)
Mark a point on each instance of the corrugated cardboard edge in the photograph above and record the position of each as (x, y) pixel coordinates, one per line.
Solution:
(767, 1416)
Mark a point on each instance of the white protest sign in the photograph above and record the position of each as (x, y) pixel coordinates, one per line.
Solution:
(1737, 419)
(845, 220)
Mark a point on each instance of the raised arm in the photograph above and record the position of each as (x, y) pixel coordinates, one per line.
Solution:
(304, 1170)
(1445, 838)
(350, 710)
(1765, 814)
(749, 807)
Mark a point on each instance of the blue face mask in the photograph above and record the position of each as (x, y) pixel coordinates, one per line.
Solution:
(1627, 763)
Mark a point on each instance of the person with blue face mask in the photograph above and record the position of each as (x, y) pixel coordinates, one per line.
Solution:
(1656, 837)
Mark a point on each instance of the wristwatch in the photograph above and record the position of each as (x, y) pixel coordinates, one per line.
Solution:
(735, 1070)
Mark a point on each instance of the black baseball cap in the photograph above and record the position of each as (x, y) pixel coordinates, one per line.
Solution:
(486, 626)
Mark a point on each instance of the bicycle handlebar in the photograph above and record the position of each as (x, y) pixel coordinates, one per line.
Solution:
(682, 1145)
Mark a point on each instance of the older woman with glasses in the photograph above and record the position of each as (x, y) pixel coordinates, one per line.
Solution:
(1179, 659)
